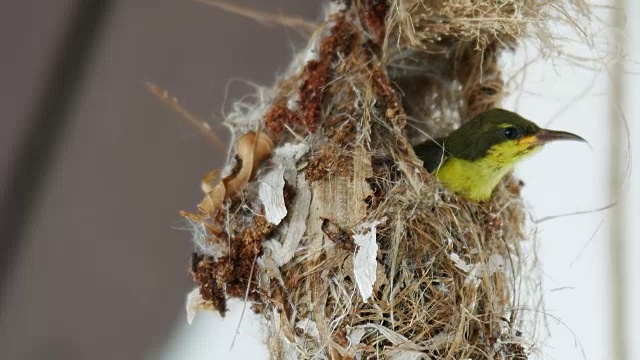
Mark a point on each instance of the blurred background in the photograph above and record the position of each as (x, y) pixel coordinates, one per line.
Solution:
(91, 263)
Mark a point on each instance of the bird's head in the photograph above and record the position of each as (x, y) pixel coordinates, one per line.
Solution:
(502, 137)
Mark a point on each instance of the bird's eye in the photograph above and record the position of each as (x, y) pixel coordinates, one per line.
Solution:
(511, 133)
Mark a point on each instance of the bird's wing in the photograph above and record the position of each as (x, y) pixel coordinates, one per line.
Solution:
(432, 154)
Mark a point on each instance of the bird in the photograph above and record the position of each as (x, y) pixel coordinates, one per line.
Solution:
(473, 159)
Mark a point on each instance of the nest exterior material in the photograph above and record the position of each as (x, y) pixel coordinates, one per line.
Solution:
(325, 220)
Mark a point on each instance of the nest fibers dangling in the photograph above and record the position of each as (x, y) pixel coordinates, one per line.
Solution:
(325, 219)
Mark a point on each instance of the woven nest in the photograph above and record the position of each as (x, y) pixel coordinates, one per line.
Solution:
(325, 220)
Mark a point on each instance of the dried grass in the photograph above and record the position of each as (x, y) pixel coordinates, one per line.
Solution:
(448, 273)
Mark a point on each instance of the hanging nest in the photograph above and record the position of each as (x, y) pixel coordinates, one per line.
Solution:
(325, 220)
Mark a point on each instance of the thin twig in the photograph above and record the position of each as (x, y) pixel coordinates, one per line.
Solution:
(198, 123)
(551, 217)
(244, 304)
(267, 18)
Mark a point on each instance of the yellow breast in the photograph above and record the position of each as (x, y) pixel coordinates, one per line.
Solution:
(475, 180)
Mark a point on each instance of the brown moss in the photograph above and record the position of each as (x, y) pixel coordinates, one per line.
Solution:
(314, 78)
(244, 252)
(210, 275)
(280, 115)
(342, 38)
(329, 160)
(341, 129)
(373, 17)
(316, 73)
(229, 275)
(385, 91)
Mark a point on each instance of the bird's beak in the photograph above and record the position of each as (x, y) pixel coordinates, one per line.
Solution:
(545, 136)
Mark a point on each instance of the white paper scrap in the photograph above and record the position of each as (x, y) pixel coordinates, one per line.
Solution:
(298, 223)
(194, 302)
(476, 271)
(272, 183)
(364, 262)
(272, 196)
(460, 264)
(290, 151)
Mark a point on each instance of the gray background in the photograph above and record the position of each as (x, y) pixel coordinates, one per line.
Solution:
(100, 273)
